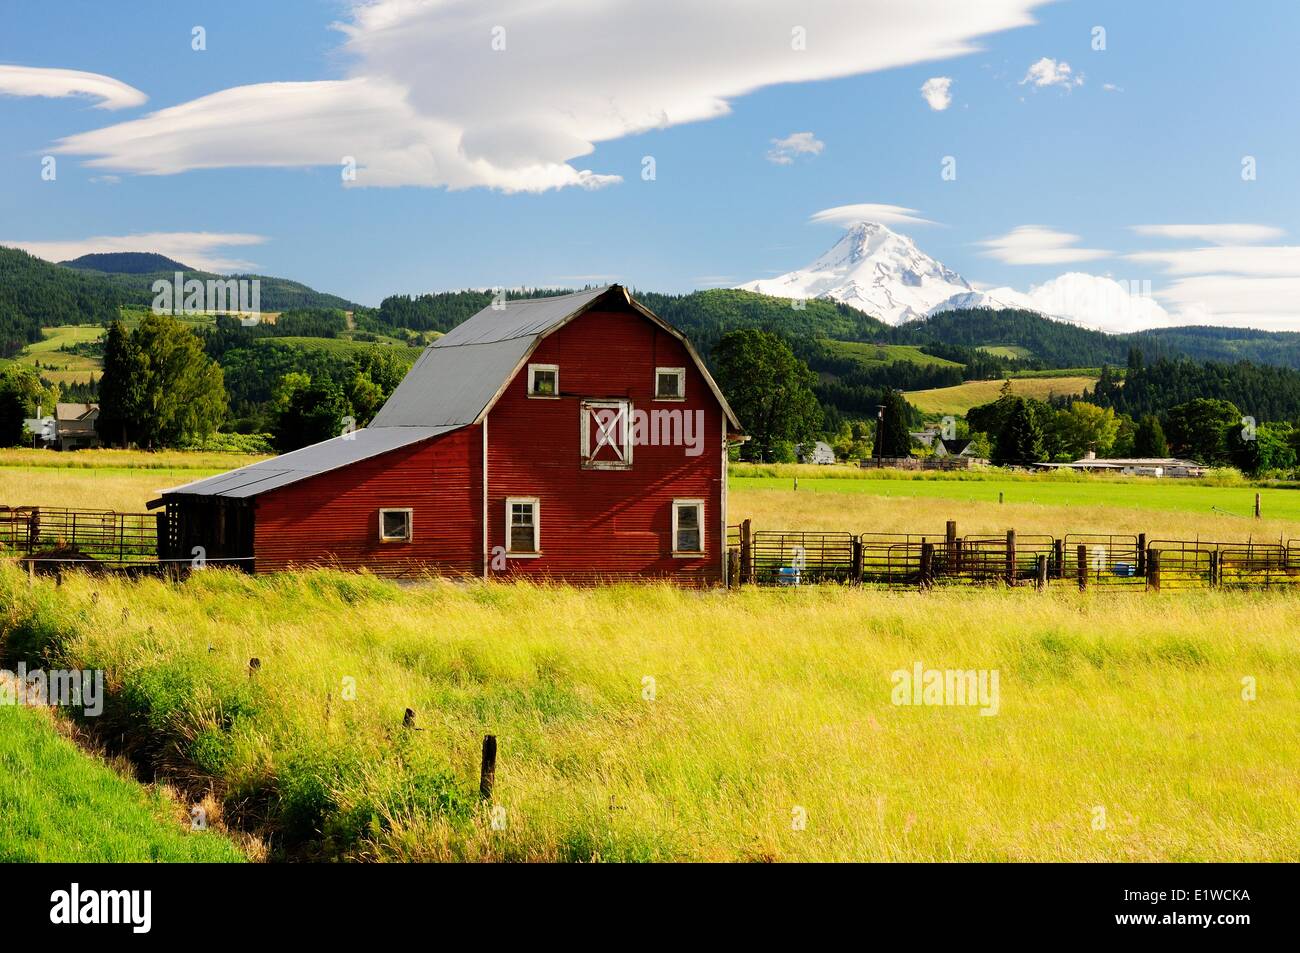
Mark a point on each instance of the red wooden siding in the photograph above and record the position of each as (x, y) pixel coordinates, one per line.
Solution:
(605, 524)
(333, 519)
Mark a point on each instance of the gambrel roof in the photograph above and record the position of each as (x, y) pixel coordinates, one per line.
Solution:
(453, 384)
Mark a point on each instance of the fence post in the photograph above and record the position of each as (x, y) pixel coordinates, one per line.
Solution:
(1142, 554)
(1256, 506)
(733, 567)
(1214, 567)
(1081, 566)
(746, 553)
(1041, 581)
(958, 546)
(1153, 570)
(927, 565)
(1011, 557)
(949, 538)
(1058, 557)
(858, 560)
(488, 767)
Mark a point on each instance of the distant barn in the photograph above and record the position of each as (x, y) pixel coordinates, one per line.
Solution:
(577, 438)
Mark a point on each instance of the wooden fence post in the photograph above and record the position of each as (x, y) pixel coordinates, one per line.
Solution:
(858, 560)
(733, 567)
(1256, 506)
(1153, 570)
(1142, 554)
(950, 538)
(488, 767)
(1215, 567)
(927, 565)
(1011, 557)
(1058, 557)
(746, 553)
(1081, 566)
(1041, 581)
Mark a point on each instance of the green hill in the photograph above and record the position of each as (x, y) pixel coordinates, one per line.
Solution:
(126, 263)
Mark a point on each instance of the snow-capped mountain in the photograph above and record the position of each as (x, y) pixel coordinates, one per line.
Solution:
(878, 271)
(875, 270)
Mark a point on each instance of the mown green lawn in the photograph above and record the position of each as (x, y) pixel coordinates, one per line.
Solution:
(1164, 495)
(58, 804)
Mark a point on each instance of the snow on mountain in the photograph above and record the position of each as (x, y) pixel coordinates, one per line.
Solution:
(878, 271)
(875, 270)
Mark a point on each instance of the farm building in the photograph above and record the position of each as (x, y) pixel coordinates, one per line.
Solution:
(577, 438)
(821, 452)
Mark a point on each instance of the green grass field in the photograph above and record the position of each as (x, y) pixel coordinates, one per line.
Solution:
(60, 366)
(874, 355)
(642, 722)
(1006, 350)
(343, 346)
(961, 398)
(58, 804)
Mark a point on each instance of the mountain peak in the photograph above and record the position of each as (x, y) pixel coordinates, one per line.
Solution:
(874, 269)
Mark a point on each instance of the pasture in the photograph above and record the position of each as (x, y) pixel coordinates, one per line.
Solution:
(961, 398)
(61, 366)
(642, 722)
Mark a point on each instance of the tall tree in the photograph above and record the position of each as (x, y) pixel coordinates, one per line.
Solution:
(894, 438)
(1197, 428)
(312, 412)
(769, 388)
(1021, 440)
(160, 385)
(1149, 440)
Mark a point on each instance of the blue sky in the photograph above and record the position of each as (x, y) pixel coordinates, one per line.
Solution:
(1152, 130)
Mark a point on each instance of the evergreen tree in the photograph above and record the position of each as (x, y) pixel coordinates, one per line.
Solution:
(895, 439)
(1021, 439)
(313, 412)
(1149, 441)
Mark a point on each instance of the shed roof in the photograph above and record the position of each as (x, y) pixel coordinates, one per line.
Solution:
(318, 458)
(453, 384)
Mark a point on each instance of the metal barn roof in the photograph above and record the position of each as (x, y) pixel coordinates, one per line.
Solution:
(451, 385)
(318, 458)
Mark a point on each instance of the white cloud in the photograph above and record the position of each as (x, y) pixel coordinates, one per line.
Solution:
(196, 249)
(1264, 260)
(1112, 88)
(429, 101)
(1271, 303)
(1222, 234)
(1048, 72)
(1038, 245)
(868, 212)
(937, 91)
(60, 83)
(784, 151)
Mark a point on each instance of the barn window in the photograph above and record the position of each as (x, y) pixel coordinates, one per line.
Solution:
(523, 526)
(670, 383)
(688, 527)
(395, 526)
(543, 380)
(606, 434)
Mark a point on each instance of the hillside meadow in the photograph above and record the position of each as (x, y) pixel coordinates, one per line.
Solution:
(648, 723)
(960, 398)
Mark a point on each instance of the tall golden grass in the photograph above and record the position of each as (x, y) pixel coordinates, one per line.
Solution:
(763, 703)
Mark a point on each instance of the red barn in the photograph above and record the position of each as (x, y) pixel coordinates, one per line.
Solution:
(577, 438)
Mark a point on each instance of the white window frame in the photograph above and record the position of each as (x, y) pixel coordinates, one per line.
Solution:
(410, 524)
(625, 451)
(703, 550)
(680, 373)
(532, 380)
(511, 502)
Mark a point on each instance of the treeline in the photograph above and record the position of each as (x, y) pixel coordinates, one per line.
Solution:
(1209, 431)
(1259, 390)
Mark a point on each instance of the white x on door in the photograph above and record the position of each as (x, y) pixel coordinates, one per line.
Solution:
(606, 434)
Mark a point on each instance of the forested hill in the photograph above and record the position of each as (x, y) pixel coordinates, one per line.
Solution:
(1264, 392)
(126, 263)
(35, 293)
